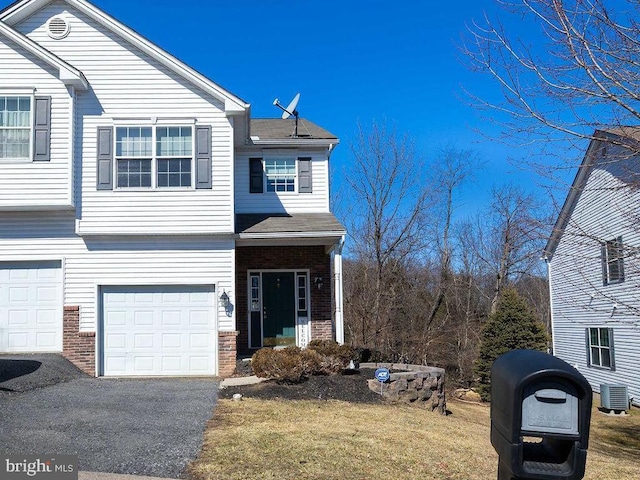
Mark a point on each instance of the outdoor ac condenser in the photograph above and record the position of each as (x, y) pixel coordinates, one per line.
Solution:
(614, 397)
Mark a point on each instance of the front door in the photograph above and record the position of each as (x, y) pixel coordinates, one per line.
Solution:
(278, 309)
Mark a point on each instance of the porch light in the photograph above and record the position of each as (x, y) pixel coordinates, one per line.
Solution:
(224, 298)
(318, 281)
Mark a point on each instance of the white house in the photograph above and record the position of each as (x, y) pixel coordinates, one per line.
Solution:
(149, 225)
(592, 259)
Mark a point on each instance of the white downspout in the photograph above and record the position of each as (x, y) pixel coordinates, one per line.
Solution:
(338, 284)
(553, 333)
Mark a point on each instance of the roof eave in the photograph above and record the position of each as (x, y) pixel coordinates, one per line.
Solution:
(294, 142)
(574, 193)
(275, 235)
(67, 74)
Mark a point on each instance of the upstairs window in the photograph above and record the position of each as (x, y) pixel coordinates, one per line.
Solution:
(154, 157)
(174, 149)
(600, 348)
(133, 157)
(280, 174)
(612, 262)
(149, 157)
(15, 128)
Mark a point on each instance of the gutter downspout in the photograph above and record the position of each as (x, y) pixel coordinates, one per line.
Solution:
(553, 333)
(338, 285)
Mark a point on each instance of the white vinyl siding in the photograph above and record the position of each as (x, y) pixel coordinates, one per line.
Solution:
(91, 262)
(49, 183)
(579, 299)
(126, 83)
(283, 202)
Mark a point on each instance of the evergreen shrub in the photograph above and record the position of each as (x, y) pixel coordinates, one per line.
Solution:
(514, 326)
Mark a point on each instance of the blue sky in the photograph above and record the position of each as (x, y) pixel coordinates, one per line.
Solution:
(352, 61)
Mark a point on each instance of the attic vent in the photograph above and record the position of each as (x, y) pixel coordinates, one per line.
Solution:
(58, 27)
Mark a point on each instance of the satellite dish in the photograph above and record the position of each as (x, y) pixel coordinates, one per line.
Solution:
(290, 110)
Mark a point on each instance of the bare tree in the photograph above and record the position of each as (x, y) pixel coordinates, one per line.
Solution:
(510, 237)
(452, 167)
(389, 196)
(579, 75)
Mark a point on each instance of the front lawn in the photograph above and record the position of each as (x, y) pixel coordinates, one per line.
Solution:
(318, 439)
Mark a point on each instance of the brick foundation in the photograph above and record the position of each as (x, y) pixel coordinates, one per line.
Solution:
(312, 258)
(227, 353)
(78, 347)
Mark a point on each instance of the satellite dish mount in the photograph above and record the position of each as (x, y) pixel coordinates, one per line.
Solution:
(290, 110)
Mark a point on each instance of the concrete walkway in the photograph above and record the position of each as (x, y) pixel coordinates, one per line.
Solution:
(240, 381)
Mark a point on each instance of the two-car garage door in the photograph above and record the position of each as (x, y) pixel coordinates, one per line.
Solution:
(158, 330)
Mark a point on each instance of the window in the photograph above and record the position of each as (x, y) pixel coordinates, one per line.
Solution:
(149, 157)
(600, 347)
(133, 157)
(15, 127)
(281, 174)
(612, 262)
(302, 295)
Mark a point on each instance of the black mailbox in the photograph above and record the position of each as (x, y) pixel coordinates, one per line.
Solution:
(540, 416)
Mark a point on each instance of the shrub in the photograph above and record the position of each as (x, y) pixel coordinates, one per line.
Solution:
(513, 326)
(288, 365)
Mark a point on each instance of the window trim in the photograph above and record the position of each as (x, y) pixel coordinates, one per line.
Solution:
(607, 262)
(32, 127)
(600, 348)
(154, 156)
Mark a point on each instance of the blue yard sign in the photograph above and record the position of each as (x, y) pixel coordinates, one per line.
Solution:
(382, 375)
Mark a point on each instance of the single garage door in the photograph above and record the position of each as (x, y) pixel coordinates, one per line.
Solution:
(30, 307)
(158, 330)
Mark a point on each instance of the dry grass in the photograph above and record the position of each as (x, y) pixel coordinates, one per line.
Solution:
(269, 439)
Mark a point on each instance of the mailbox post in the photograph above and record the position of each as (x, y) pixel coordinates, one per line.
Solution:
(540, 417)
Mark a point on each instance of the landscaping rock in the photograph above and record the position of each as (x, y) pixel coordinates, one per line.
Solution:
(418, 382)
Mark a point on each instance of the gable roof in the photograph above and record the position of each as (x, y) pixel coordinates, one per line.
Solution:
(22, 9)
(275, 131)
(68, 74)
(618, 136)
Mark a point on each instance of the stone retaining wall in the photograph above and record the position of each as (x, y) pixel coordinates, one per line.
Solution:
(411, 383)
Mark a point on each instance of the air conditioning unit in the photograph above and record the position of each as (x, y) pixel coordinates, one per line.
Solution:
(614, 397)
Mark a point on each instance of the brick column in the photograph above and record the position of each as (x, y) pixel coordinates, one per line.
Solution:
(78, 347)
(227, 353)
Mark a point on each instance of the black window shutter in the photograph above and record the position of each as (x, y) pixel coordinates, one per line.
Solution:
(605, 267)
(256, 183)
(620, 251)
(588, 342)
(612, 355)
(42, 129)
(304, 175)
(203, 157)
(104, 168)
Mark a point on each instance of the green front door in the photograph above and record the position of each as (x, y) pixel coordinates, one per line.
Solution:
(279, 309)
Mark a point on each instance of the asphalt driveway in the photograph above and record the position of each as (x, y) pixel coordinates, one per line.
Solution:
(133, 426)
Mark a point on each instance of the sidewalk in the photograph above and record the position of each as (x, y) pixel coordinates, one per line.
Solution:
(113, 476)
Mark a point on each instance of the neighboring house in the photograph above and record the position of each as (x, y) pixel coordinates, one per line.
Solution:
(148, 225)
(592, 259)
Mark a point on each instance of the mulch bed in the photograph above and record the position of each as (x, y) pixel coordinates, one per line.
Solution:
(349, 388)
